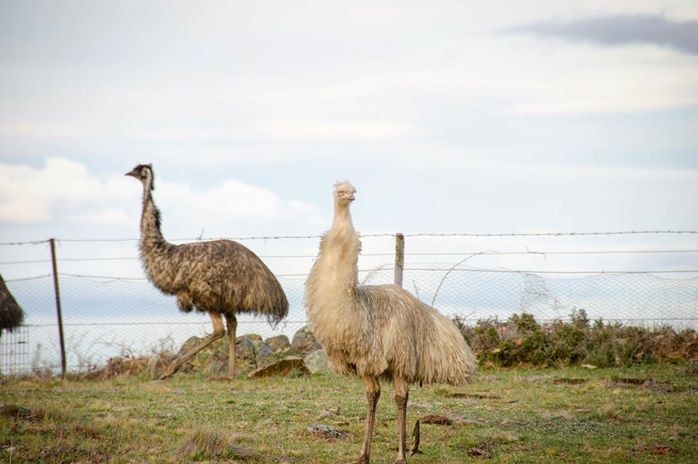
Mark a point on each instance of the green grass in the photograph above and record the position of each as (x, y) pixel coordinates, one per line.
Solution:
(521, 415)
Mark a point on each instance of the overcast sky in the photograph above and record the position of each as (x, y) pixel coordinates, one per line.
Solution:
(448, 116)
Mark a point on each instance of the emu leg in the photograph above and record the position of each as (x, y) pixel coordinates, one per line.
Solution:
(218, 332)
(232, 323)
(373, 393)
(401, 395)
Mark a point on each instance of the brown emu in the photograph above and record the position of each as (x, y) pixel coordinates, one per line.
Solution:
(378, 331)
(11, 314)
(221, 277)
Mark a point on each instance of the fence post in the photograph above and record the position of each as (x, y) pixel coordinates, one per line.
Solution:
(399, 258)
(57, 291)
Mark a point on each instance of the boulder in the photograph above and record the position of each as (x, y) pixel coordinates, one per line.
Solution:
(304, 341)
(317, 362)
(278, 344)
(245, 351)
(253, 350)
(282, 367)
(211, 361)
(264, 355)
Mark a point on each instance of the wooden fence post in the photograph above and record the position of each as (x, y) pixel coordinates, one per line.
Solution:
(399, 258)
(57, 291)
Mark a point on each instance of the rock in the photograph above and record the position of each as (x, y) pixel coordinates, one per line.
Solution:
(252, 349)
(254, 338)
(245, 351)
(304, 341)
(216, 365)
(251, 352)
(317, 362)
(264, 355)
(479, 452)
(213, 360)
(278, 344)
(188, 345)
(281, 367)
(327, 432)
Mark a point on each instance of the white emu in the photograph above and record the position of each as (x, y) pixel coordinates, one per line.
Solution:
(377, 331)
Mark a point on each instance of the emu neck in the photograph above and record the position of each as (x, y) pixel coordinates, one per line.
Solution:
(339, 253)
(342, 223)
(331, 288)
(151, 236)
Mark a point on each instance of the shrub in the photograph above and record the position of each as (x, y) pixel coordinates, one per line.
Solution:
(521, 340)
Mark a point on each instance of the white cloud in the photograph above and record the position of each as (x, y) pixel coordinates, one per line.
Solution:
(32, 195)
(217, 204)
(232, 208)
(64, 190)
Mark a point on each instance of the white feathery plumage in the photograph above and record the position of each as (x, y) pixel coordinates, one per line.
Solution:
(377, 331)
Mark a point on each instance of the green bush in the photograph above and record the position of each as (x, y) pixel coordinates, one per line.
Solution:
(521, 340)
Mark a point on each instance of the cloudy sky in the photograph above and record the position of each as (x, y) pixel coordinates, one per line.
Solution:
(448, 116)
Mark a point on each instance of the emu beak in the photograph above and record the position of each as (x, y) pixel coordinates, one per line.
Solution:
(133, 173)
(351, 197)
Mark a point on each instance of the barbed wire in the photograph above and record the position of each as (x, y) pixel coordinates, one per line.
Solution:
(460, 253)
(28, 242)
(384, 234)
(551, 234)
(205, 322)
(22, 279)
(390, 268)
(528, 271)
(606, 319)
(111, 278)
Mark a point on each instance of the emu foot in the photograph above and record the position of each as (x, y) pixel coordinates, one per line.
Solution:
(362, 460)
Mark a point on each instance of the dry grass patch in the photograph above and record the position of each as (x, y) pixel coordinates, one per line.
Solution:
(209, 443)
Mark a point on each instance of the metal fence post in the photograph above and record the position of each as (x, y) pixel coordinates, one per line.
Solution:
(57, 291)
(399, 258)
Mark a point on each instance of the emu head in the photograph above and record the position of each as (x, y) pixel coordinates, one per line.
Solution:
(344, 193)
(144, 173)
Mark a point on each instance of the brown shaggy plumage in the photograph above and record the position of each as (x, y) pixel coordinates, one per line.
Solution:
(11, 314)
(222, 277)
(378, 331)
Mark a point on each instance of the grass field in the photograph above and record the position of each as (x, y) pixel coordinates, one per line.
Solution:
(641, 414)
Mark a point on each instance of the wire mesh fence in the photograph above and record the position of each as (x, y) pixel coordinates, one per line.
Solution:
(14, 351)
(110, 309)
